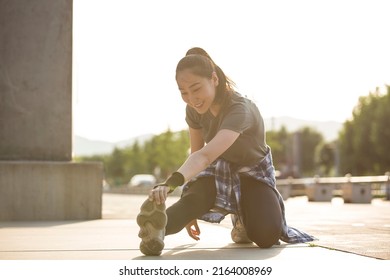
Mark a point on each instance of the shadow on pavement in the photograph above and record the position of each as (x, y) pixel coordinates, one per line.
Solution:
(229, 252)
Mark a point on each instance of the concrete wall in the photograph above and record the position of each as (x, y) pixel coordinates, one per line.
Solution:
(38, 180)
(35, 80)
(50, 191)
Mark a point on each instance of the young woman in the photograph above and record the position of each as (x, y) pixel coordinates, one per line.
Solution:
(229, 170)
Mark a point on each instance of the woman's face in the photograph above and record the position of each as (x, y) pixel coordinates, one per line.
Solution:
(197, 91)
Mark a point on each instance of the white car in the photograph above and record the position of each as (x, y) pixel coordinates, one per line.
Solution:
(142, 180)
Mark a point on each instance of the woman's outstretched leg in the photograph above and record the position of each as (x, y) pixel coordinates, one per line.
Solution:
(196, 201)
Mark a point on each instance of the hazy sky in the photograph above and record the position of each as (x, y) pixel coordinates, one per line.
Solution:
(305, 59)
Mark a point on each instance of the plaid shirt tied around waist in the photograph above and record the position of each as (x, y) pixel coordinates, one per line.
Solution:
(227, 180)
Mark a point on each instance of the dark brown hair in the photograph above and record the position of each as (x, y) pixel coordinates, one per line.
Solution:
(201, 64)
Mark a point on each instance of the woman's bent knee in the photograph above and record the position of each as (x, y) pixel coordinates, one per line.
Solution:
(267, 241)
(265, 238)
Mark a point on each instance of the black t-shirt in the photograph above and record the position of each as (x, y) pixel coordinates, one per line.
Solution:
(240, 115)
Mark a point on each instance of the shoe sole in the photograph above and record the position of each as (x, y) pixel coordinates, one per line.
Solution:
(152, 220)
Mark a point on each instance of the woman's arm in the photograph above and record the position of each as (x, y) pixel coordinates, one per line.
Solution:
(203, 157)
(207, 154)
(196, 139)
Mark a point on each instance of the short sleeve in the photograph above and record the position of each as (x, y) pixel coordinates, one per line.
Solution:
(238, 118)
(192, 118)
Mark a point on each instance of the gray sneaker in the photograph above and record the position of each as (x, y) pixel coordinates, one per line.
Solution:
(152, 220)
(238, 233)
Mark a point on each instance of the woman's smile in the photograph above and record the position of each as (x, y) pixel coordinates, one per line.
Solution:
(197, 91)
(198, 105)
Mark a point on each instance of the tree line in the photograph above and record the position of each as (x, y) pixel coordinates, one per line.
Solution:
(362, 148)
(161, 155)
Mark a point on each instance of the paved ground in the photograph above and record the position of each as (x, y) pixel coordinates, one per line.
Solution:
(356, 228)
(353, 241)
(352, 231)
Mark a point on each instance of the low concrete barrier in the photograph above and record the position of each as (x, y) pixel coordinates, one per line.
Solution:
(353, 189)
(284, 190)
(357, 189)
(35, 190)
(318, 192)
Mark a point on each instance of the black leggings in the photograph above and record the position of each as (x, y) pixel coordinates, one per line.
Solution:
(262, 216)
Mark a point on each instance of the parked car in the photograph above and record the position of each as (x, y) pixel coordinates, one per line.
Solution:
(142, 181)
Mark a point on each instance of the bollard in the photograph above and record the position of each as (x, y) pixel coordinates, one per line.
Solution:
(319, 192)
(356, 193)
(284, 190)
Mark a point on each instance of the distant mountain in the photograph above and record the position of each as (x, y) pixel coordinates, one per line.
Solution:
(87, 147)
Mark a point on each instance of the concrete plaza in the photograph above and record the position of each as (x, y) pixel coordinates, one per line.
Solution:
(345, 231)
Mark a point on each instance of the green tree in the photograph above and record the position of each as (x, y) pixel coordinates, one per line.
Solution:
(325, 158)
(279, 144)
(167, 151)
(294, 153)
(309, 139)
(365, 139)
(115, 168)
(136, 160)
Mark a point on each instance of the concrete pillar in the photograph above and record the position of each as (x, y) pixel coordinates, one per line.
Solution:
(37, 175)
(36, 80)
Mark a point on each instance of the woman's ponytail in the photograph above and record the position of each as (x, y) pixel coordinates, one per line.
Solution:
(225, 86)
